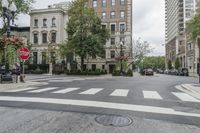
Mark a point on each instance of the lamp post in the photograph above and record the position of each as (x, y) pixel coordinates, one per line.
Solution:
(121, 54)
(198, 65)
(8, 13)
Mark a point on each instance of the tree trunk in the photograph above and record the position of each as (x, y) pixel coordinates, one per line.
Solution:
(82, 63)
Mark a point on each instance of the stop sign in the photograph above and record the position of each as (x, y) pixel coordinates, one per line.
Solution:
(24, 53)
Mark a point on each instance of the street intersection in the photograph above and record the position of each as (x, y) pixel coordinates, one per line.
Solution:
(152, 98)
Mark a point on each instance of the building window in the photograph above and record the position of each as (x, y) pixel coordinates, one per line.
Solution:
(94, 3)
(113, 2)
(44, 22)
(35, 38)
(103, 26)
(122, 39)
(112, 28)
(122, 28)
(53, 21)
(112, 14)
(36, 23)
(112, 41)
(53, 37)
(112, 54)
(94, 66)
(103, 67)
(44, 58)
(103, 3)
(122, 2)
(44, 37)
(35, 57)
(122, 14)
(103, 15)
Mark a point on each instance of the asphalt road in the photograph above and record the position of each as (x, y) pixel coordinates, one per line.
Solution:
(72, 104)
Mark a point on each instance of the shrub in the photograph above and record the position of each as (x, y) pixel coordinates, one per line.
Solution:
(116, 73)
(129, 73)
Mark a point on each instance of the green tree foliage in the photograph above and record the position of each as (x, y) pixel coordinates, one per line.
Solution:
(86, 37)
(153, 62)
(177, 63)
(193, 26)
(23, 6)
(170, 64)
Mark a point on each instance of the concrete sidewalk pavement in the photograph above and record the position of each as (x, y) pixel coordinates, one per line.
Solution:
(191, 89)
(11, 86)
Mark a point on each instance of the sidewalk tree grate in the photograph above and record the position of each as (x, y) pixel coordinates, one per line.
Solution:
(113, 120)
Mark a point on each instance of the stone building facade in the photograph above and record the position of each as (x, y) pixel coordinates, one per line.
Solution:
(116, 15)
(47, 26)
(178, 12)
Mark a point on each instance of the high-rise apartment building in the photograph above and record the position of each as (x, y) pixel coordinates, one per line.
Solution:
(177, 13)
(116, 15)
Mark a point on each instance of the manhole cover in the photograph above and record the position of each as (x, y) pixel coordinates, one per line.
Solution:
(110, 120)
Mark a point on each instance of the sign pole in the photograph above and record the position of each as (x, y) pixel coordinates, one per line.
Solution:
(24, 54)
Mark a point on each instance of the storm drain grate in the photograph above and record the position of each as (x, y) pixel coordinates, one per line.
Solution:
(112, 120)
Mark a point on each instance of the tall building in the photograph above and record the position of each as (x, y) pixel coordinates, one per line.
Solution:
(116, 15)
(177, 13)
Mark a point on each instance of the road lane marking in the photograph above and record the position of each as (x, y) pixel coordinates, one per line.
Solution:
(91, 91)
(63, 91)
(185, 97)
(151, 95)
(98, 104)
(120, 92)
(59, 81)
(19, 90)
(43, 90)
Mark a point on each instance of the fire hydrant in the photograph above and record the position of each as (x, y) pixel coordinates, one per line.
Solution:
(22, 77)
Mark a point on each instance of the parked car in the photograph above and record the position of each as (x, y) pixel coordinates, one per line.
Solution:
(149, 72)
(173, 72)
(160, 71)
(183, 72)
(166, 71)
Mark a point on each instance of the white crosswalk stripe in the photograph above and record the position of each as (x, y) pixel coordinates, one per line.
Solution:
(19, 90)
(120, 92)
(43, 90)
(63, 91)
(91, 91)
(185, 97)
(151, 95)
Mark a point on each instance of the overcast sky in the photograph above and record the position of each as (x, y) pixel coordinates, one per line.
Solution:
(148, 21)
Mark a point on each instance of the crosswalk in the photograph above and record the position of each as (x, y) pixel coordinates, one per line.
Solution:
(153, 95)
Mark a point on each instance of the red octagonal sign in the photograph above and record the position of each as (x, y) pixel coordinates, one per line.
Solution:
(24, 53)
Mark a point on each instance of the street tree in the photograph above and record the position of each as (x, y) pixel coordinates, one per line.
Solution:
(23, 6)
(170, 64)
(141, 49)
(177, 63)
(154, 62)
(86, 36)
(193, 25)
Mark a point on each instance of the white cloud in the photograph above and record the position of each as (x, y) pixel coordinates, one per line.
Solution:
(149, 23)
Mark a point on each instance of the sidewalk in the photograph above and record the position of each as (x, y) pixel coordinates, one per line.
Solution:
(191, 89)
(11, 86)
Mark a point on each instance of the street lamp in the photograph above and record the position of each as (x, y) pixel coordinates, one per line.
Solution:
(8, 13)
(121, 54)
